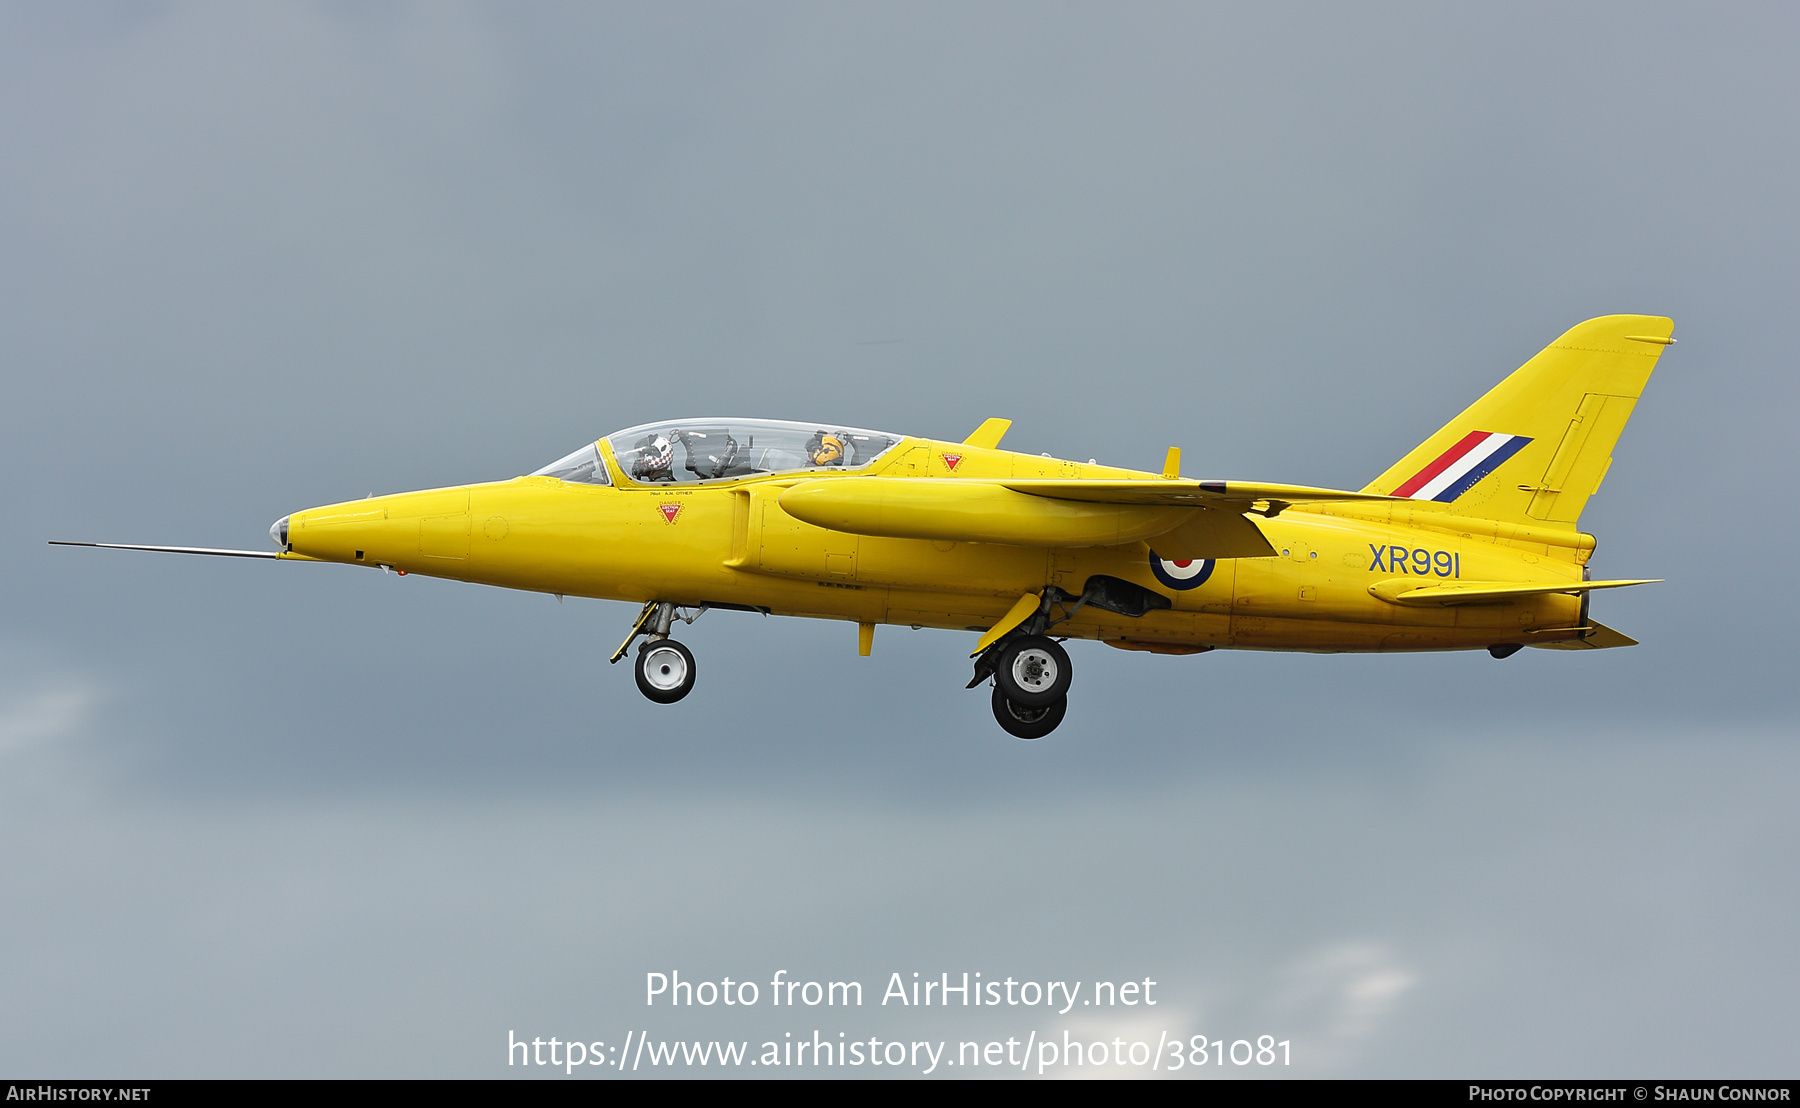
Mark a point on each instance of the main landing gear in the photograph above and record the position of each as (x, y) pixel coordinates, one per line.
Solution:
(1031, 671)
(1031, 685)
(665, 668)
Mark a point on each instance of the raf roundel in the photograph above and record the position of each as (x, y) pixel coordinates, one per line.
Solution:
(1181, 575)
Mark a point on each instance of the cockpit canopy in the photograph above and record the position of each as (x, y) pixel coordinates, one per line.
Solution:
(717, 449)
(583, 467)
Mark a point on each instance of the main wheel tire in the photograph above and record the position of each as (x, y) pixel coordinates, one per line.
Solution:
(1034, 672)
(665, 671)
(1028, 723)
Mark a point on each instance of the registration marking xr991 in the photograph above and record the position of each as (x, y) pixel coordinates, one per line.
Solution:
(1417, 561)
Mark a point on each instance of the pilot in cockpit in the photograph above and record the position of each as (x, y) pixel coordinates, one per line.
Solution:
(655, 459)
(825, 449)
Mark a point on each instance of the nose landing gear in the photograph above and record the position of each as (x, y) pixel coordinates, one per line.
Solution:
(664, 668)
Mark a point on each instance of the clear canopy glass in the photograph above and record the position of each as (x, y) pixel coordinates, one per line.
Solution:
(716, 449)
(583, 467)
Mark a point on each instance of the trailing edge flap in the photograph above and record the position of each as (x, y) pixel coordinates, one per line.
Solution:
(1209, 494)
(1411, 594)
(1599, 637)
(1213, 533)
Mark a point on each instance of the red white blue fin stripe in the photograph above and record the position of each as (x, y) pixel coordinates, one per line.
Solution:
(1456, 470)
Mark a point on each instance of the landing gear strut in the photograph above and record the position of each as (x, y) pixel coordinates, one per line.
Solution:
(665, 668)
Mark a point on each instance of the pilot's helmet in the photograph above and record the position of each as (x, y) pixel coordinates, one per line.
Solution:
(826, 449)
(655, 455)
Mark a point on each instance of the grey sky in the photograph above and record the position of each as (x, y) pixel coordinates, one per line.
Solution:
(302, 820)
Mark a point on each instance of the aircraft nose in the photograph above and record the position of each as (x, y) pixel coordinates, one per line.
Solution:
(278, 531)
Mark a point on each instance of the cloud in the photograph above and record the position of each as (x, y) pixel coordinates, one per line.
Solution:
(53, 710)
(1338, 997)
(1089, 1040)
(388, 935)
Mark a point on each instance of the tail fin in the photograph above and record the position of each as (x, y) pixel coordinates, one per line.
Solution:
(1537, 445)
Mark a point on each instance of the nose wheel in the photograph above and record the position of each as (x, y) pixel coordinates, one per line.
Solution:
(665, 670)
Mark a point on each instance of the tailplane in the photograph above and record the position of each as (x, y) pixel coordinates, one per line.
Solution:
(1598, 637)
(1538, 444)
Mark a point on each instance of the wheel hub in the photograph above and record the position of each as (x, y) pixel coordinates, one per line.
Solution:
(664, 668)
(1026, 715)
(1034, 670)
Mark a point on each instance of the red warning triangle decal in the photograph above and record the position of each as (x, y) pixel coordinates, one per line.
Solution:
(669, 511)
(953, 460)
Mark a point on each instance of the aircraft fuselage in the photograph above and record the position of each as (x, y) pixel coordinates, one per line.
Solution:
(732, 543)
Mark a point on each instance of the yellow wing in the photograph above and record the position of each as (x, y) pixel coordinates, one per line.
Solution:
(1187, 519)
(1217, 529)
(1212, 494)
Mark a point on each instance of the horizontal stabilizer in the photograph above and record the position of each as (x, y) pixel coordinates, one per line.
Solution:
(1599, 637)
(174, 549)
(1214, 494)
(1412, 594)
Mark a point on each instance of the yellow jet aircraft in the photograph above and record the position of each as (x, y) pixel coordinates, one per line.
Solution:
(1468, 542)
